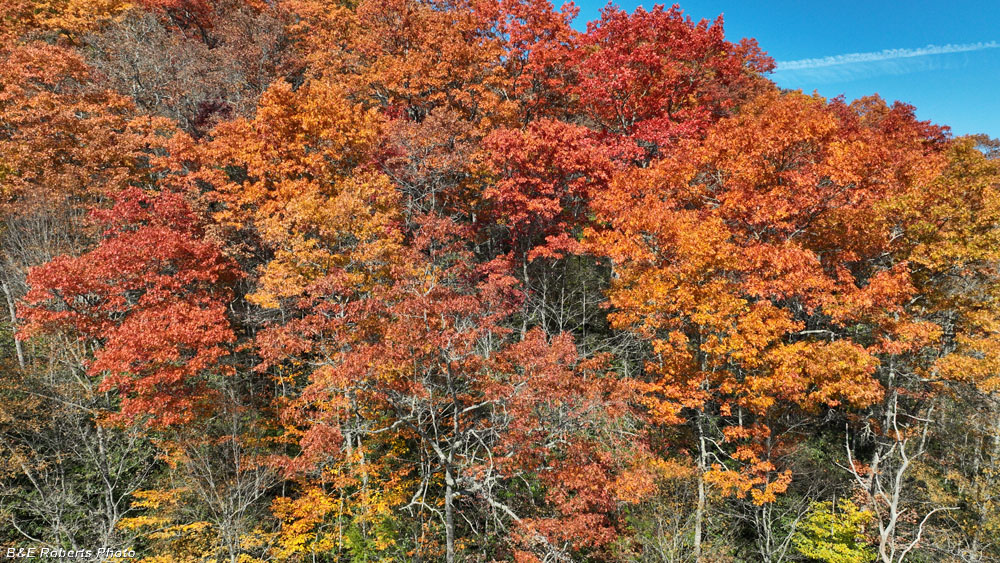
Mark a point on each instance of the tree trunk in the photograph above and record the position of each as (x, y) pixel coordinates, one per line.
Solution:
(524, 308)
(13, 323)
(699, 514)
(449, 517)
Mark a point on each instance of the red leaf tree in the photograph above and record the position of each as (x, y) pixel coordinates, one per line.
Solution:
(151, 300)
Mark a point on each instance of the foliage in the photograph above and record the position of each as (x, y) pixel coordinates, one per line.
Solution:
(834, 533)
(393, 280)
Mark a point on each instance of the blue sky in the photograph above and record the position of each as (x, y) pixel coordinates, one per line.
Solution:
(942, 57)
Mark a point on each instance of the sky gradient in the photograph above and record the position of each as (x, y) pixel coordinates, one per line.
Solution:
(943, 59)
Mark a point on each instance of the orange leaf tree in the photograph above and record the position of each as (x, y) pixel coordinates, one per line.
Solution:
(741, 261)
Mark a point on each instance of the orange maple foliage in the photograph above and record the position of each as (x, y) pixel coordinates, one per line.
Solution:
(739, 258)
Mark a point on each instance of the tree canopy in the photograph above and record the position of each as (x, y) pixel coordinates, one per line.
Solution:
(449, 280)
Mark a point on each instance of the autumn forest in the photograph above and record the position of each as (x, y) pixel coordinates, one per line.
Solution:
(452, 280)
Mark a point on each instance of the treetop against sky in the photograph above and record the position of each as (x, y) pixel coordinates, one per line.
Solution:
(942, 57)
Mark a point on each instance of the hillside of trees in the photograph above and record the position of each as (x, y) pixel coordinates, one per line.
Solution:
(449, 280)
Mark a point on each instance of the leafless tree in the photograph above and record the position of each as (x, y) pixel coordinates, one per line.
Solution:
(886, 481)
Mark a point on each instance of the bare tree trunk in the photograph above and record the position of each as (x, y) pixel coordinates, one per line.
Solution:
(885, 480)
(13, 322)
(449, 516)
(524, 276)
(699, 514)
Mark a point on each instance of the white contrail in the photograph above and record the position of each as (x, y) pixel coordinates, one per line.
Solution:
(887, 54)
